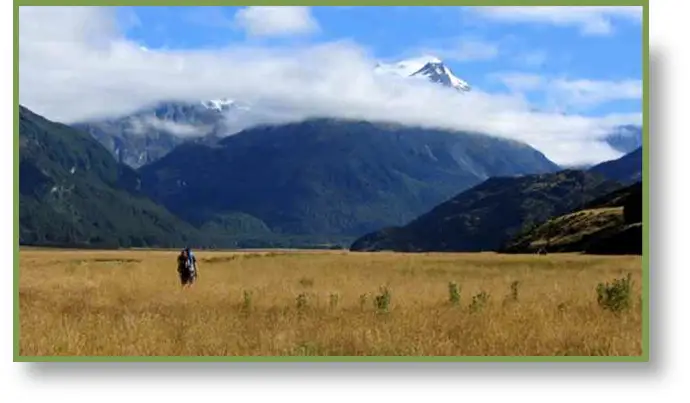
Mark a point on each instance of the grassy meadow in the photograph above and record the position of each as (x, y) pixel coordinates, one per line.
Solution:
(324, 303)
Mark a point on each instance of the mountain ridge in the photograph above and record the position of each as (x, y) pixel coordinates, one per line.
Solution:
(328, 177)
(487, 215)
(626, 169)
(610, 224)
(73, 192)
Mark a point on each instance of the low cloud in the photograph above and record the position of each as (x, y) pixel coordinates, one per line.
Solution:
(143, 125)
(75, 65)
(276, 21)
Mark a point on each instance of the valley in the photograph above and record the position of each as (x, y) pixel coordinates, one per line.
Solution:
(315, 183)
(188, 173)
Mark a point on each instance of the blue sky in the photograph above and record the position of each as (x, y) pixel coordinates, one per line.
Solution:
(557, 78)
(392, 33)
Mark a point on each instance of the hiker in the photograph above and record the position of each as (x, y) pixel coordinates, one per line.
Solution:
(187, 267)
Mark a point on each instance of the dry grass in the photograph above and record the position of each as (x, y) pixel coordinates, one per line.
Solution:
(130, 303)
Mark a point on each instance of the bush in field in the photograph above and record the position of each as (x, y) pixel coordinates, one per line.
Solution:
(453, 293)
(247, 300)
(302, 301)
(479, 301)
(514, 290)
(383, 300)
(615, 296)
(334, 299)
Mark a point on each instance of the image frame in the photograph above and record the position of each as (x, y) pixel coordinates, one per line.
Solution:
(644, 357)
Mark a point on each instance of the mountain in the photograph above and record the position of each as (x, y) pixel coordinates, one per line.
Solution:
(72, 192)
(626, 138)
(489, 214)
(326, 179)
(151, 133)
(611, 224)
(627, 169)
(438, 72)
(432, 69)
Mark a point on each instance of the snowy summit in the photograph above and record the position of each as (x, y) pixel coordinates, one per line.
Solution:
(218, 104)
(431, 68)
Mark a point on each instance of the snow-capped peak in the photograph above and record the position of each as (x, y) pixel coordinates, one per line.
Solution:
(218, 104)
(430, 67)
(438, 72)
(405, 68)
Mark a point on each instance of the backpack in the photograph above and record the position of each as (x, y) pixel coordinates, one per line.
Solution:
(184, 265)
(191, 262)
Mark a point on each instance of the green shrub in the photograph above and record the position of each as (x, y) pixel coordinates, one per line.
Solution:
(453, 293)
(383, 300)
(302, 301)
(479, 301)
(615, 296)
(514, 290)
(334, 299)
(247, 300)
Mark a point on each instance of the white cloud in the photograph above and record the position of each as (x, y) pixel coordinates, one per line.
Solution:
(276, 21)
(75, 65)
(591, 20)
(568, 94)
(144, 124)
(588, 93)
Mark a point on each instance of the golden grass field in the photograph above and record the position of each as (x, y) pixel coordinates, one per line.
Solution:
(130, 303)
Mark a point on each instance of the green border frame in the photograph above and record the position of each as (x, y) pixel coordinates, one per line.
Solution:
(645, 180)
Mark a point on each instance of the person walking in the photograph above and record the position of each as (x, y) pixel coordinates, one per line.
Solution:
(187, 267)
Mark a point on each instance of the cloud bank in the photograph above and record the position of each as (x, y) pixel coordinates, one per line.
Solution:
(75, 64)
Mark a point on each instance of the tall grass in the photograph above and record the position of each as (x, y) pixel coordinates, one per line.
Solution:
(130, 303)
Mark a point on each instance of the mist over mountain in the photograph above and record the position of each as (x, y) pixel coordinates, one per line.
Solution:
(625, 138)
(149, 134)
